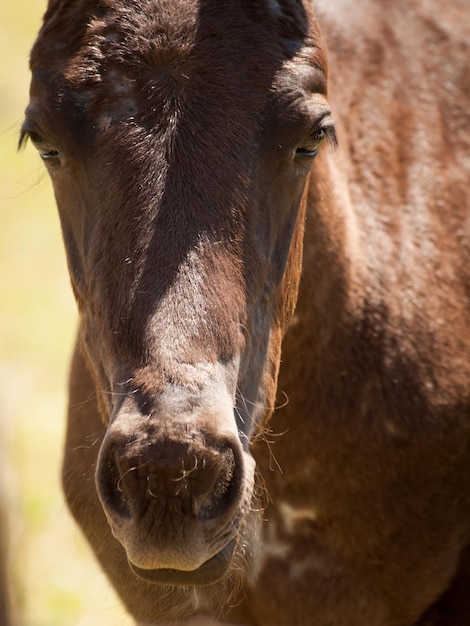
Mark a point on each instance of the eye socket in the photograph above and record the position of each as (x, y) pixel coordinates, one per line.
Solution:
(47, 152)
(49, 155)
(311, 146)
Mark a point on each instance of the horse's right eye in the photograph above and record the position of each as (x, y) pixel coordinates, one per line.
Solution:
(49, 155)
(47, 152)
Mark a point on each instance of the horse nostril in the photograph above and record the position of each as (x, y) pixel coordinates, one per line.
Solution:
(200, 480)
(193, 475)
(109, 485)
(224, 488)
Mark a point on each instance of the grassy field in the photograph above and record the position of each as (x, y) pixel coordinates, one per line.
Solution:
(55, 578)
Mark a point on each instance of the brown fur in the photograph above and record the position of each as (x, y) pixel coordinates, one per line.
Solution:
(183, 202)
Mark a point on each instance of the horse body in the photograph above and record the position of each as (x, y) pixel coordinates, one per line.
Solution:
(184, 170)
(383, 276)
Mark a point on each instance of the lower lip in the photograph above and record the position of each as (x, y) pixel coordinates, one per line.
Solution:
(209, 573)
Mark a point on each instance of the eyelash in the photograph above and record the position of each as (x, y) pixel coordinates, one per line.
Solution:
(45, 154)
(326, 133)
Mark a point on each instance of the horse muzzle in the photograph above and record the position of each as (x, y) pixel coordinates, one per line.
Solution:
(176, 486)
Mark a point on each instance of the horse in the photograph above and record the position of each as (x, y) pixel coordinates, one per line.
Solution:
(264, 207)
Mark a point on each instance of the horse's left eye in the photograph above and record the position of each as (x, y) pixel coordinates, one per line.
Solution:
(311, 146)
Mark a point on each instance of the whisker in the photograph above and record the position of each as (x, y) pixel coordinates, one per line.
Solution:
(131, 469)
(239, 415)
(150, 492)
(185, 472)
(89, 447)
(118, 393)
(78, 405)
(272, 457)
(256, 404)
(126, 382)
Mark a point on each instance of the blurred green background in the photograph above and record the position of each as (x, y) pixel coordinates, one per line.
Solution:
(55, 578)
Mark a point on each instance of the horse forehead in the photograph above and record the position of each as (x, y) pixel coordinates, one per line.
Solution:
(146, 33)
(131, 62)
(120, 68)
(179, 35)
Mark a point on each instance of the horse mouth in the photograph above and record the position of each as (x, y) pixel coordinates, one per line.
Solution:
(208, 573)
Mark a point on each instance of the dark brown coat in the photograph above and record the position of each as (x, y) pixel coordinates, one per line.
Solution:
(181, 139)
